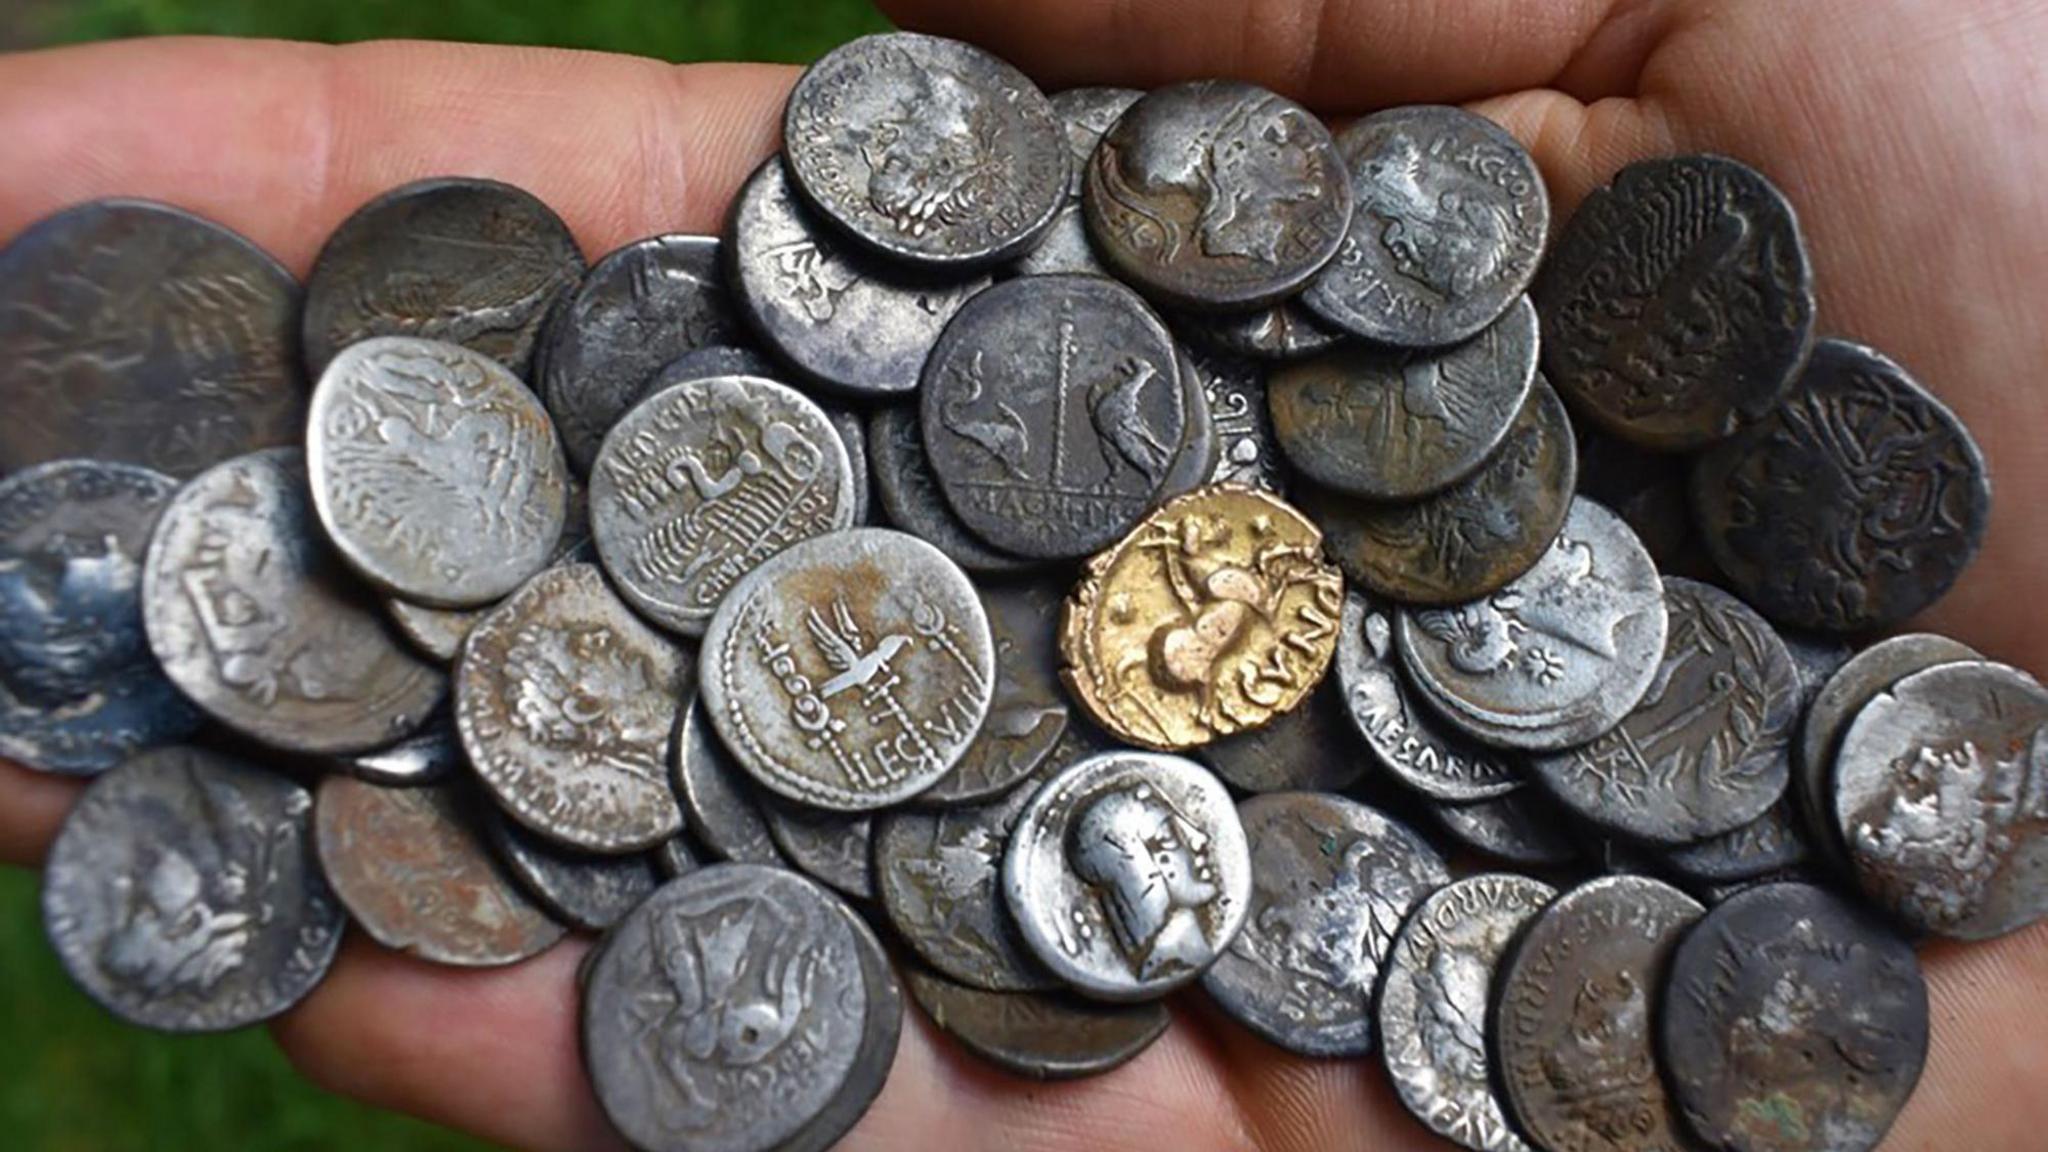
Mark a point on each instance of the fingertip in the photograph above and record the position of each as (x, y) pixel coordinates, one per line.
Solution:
(35, 808)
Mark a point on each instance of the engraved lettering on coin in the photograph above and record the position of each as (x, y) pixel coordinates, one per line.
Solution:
(1035, 1035)
(719, 801)
(911, 500)
(1029, 714)
(1248, 453)
(1773, 842)
(874, 1059)
(938, 874)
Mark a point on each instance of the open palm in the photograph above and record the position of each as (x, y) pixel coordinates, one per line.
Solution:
(1911, 134)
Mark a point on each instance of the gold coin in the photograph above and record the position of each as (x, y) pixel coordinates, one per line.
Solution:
(1215, 615)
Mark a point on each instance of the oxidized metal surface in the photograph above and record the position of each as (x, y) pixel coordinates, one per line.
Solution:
(138, 332)
(584, 891)
(256, 621)
(1795, 1022)
(1235, 388)
(1449, 229)
(677, 856)
(927, 150)
(910, 496)
(471, 262)
(1434, 1000)
(1773, 842)
(79, 690)
(1310, 748)
(850, 672)
(1572, 1025)
(834, 848)
(1042, 1037)
(1678, 302)
(182, 893)
(1557, 657)
(1217, 195)
(565, 702)
(1029, 713)
(435, 471)
(723, 812)
(1853, 504)
(1283, 331)
(702, 481)
(1523, 828)
(1332, 880)
(1128, 874)
(1216, 615)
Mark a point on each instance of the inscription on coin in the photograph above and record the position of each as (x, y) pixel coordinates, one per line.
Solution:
(911, 500)
(1249, 453)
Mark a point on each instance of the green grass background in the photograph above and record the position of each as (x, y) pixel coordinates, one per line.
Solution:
(71, 1079)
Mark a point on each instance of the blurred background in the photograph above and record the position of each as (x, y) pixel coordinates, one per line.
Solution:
(72, 1080)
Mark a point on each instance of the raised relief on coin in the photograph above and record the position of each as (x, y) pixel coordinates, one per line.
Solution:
(1217, 614)
(851, 672)
(1217, 195)
(723, 813)
(837, 849)
(704, 480)
(939, 877)
(1086, 114)
(1042, 1037)
(911, 500)
(1029, 713)
(1283, 331)
(1773, 842)
(1678, 302)
(875, 1058)
(1247, 453)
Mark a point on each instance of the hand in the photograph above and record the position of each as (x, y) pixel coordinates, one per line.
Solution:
(1908, 133)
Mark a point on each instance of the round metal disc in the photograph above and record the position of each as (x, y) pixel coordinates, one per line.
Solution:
(1041, 1037)
(719, 800)
(910, 496)
(586, 892)
(836, 849)
(1030, 712)
(1311, 748)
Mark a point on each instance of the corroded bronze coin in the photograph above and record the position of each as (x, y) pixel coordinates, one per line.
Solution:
(723, 812)
(1216, 615)
(1678, 302)
(584, 891)
(1309, 748)
(1853, 504)
(911, 500)
(1042, 1037)
(834, 848)
(1030, 712)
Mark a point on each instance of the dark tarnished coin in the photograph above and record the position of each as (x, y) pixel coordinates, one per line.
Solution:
(702, 481)
(928, 151)
(881, 1030)
(1677, 303)
(1434, 1000)
(1042, 1037)
(910, 497)
(1030, 713)
(471, 262)
(938, 874)
(1311, 748)
(134, 331)
(726, 1012)
(565, 702)
(1087, 113)
(1816, 659)
(1331, 882)
(1128, 874)
(1853, 504)
(1472, 538)
(850, 672)
(1708, 748)
(79, 690)
(676, 857)
(435, 472)
(1773, 842)
(1283, 331)
(1201, 446)
(723, 813)
(1556, 658)
(1064, 250)
(1795, 1022)
(1392, 425)
(413, 869)
(1648, 490)
(182, 893)
(430, 757)
(833, 848)
(639, 309)
(1941, 792)
(586, 892)
(1524, 828)
(1053, 411)
(1217, 195)
(845, 320)
(258, 623)
(1235, 388)
(1448, 231)
(1571, 1026)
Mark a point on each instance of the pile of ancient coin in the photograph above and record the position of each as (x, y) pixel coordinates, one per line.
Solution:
(1103, 544)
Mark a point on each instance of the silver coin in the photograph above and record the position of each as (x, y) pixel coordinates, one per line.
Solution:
(79, 690)
(1332, 880)
(881, 1030)
(1557, 657)
(1773, 842)
(1040, 1037)
(1451, 221)
(258, 623)
(430, 757)
(704, 480)
(719, 801)
(850, 672)
(1030, 712)
(1235, 389)
(587, 892)
(836, 849)
(182, 893)
(910, 497)
(1434, 1000)
(439, 632)
(677, 856)
(1283, 331)
(1523, 828)
(1310, 748)
(1064, 250)
(1128, 874)
(1086, 114)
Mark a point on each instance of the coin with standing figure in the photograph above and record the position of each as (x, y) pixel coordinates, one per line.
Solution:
(911, 500)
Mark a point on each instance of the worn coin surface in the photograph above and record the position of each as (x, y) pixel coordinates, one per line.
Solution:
(677, 856)
(79, 690)
(910, 497)
(430, 757)
(1392, 425)
(1678, 302)
(1556, 658)
(719, 801)
(1235, 388)
(1649, 491)
(1524, 828)
(1311, 748)
(1773, 842)
(1128, 874)
(1474, 537)
(581, 890)
(846, 320)
(1332, 880)
(137, 332)
(938, 874)
(1215, 616)
(1853, 504)
(1217, 195)
(1434, 1000)
(1065, 249)
(1572, 1022)
(1029, 713)
(1041, 1037)
(834, 848)
(1941, 792)
(1201, 447)
(182, 893)
(881, 1030)
(439, 632)
(702, 481)
(640, 308)
(1795, 1022)
(414, 871)
(257, 622)
(1283, 331)
(1085, 114)
(565, 702)
(850, 672)
(926, 150)
(472, 262)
